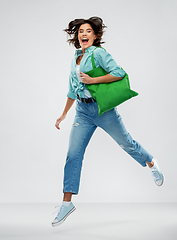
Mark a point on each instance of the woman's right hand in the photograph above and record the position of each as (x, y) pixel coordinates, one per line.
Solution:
(68, 105)
(59, 120)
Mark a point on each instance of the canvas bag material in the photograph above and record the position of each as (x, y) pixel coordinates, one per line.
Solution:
(108, 95)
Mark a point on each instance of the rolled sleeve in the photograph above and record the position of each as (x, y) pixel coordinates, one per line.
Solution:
(106, 61)
(71, 94)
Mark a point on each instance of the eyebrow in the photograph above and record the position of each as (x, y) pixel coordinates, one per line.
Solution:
(86, 29)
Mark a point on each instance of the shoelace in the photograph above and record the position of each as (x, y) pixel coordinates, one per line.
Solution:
(156, 174)
(60, 208)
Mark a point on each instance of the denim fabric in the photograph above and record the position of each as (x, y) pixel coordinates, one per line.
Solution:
(102, 59)
(85, 123)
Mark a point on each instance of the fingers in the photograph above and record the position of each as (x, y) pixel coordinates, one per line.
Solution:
(81, 75)
(57, 123)
(57, 126)
(85, 78)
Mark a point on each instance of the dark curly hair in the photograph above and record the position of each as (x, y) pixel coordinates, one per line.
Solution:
(73, 27)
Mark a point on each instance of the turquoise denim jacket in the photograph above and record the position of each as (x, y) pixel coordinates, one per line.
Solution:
(102, 59)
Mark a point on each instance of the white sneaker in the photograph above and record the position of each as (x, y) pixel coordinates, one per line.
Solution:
(157, 173)
(63, 213)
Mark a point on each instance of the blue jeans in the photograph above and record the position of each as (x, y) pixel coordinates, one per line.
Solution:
(85, 123)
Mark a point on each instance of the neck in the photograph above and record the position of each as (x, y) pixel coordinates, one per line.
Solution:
(83, 51)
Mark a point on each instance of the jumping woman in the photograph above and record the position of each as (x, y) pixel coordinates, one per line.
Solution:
(86, 35)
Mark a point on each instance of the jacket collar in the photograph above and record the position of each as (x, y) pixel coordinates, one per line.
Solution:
(87, 50)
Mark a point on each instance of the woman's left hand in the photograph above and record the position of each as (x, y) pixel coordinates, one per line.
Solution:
(86, 78)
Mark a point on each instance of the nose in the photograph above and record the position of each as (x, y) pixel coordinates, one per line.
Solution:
(84, 33)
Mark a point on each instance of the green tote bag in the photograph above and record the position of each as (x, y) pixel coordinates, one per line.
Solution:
(109, 95)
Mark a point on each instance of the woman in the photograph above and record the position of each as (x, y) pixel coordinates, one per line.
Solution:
(87, 35)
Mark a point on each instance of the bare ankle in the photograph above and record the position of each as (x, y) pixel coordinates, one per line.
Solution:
(151, 164)
(67, 196)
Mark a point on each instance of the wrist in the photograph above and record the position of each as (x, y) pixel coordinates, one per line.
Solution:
(93, 81)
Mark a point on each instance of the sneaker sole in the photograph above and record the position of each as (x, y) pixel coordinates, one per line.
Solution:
(161, 183)
(155, 160)
(63, 219)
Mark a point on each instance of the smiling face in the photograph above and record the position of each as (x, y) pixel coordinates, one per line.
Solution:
(86, 36)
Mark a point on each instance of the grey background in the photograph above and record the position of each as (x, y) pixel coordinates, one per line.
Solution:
(35, 63)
